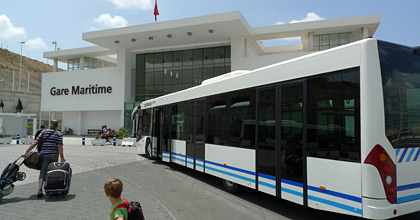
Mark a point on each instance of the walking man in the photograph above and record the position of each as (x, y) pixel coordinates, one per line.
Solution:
(51, 142)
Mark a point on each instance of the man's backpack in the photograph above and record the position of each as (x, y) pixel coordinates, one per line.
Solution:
(135, 212)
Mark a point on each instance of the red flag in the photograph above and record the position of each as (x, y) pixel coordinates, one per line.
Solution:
(156, 12)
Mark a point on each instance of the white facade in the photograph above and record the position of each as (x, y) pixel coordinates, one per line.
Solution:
(91, 111)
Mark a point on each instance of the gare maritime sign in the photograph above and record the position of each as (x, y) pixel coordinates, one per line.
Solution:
(78, 90)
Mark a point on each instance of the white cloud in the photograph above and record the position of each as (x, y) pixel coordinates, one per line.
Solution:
(110, 22)
(7, 30)
(36, 43)
(130, 4)
(311, 16)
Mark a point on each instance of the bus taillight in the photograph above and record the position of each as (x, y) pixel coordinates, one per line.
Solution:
(379, 158)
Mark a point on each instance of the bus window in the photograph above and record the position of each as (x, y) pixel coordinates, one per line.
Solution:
(242, 115)
(218, 121)
(400, 68)
(178, 118)
(334, 116)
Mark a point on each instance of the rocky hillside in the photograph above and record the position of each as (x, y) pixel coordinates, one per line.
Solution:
(10, 61)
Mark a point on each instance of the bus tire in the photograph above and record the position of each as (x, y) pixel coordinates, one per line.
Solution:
(148, 149)
(231, 186)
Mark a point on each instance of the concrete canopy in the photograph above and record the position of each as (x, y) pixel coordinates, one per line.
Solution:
(218, 28)
(95, 51)
(211, 30)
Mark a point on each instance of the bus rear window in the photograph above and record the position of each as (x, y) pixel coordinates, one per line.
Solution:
(400, 69)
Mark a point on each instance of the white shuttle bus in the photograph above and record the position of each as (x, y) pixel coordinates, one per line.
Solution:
(337, 130)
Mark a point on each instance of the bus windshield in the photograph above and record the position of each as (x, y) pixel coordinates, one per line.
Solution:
(145, 117)
(400, 68)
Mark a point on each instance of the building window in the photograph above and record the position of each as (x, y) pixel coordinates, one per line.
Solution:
(327, 41)
(159, 74)
(73, 64)
(92, 63)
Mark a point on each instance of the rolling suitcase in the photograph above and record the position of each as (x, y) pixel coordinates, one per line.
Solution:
(58, 178)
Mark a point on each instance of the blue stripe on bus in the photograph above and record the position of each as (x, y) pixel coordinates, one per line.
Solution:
(176, 158)
(406, 155)
(199, 165)
(296, 193)
(408, 186)
(292, 183)
(165, 152)
(410, 155)
(408, 198)
(403, 155)
(167, 157)
(231, 168)
(192, 158)
(198, 159)
(267, 176)
(190, 162)
(267, 184)
(231, 174)
(335, 204)
(178, 154)
(336, 194)
(417, 154)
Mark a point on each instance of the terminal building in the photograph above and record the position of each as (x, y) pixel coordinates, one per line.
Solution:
(104, 82)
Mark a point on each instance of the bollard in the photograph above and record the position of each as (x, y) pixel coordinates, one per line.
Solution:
(115, 140)
(83, 140)
(17, 138)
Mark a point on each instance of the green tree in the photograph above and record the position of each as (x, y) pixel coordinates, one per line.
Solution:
(19, 106)
(122, 133)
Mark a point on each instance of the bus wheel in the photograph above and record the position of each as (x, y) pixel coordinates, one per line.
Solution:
(148, 149)
(231, 186)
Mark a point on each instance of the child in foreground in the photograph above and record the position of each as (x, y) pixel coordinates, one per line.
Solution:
(113, 188)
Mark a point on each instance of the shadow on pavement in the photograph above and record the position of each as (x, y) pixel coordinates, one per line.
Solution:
(55, 198)
(7, 200)
(272, 203)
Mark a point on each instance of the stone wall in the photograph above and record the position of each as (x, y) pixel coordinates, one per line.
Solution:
(31, 102)
(31, 105)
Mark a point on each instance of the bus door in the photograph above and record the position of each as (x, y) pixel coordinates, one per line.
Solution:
(156, 134)
(292, 141)
(189, 123)
(166, 133)
(267, 150)
(199, 135)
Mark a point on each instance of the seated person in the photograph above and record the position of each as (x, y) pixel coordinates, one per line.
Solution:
(104, 130)
(108, 134)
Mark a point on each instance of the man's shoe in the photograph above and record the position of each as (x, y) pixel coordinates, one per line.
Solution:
(39, 194)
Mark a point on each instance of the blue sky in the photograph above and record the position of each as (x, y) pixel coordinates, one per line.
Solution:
(39, 23)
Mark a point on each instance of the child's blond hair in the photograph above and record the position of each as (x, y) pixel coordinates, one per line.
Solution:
(113, 187)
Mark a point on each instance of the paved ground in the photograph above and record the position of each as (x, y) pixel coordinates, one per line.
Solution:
(166, 191)
(86, 199)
